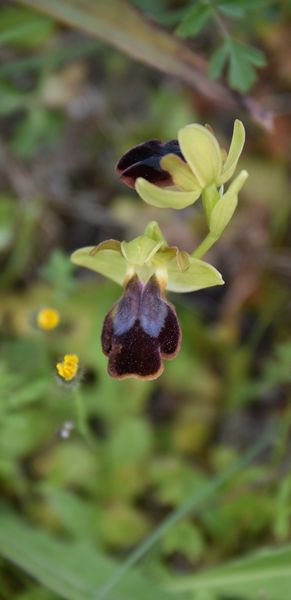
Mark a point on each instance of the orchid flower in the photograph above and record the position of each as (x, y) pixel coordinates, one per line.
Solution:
(142, 329)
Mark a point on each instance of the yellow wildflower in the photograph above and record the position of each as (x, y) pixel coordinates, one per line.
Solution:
(68, 368)
(47, 319)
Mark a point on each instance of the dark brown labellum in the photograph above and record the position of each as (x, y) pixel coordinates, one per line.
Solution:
(144, 161)
(139, 331)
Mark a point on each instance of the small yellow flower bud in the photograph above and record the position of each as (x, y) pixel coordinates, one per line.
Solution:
(68, 368)
(47, 319)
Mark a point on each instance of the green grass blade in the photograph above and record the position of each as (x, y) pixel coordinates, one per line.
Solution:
(194, 502)
(262, 574)
(73, 570)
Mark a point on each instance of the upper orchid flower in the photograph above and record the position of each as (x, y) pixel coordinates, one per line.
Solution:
(142, 328)
(194, 164)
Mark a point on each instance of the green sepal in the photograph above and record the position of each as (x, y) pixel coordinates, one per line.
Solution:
(202, 152)
(183, 260)
(210, 197)
(164, 198)
(198, 275)
(226, 205)
(235, 150)
(107, 262)
(180, 172)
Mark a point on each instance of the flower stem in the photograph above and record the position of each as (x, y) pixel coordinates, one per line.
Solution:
(81, 418)
(204, 246)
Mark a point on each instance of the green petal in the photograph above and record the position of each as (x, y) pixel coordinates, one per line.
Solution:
(162, 198)
(235, 150)
(109, 263)
(199, 275)
(183, 260)
(202, 152)
(140, 250)
(153, 231)
(226, 205)
(180, 172)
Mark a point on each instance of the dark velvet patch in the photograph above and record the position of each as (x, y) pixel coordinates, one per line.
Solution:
(134, 353)
(150, 170)
(144, 161)
(138, 153)
(140, 330)
(170, 336)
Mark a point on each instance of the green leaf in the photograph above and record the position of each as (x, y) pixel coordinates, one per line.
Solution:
(266, 573)
(137, 36)
(194, 20)
(217, 61)
(282, 512)
(75, 571)
(23, 27)
(38, 126)
(11, 98)
(122, 526)
(241, 74)
(29, 393)
(233, 11)
(76, 515)
(131, 443)
(244, 5)
(184, 537)
(253, 55)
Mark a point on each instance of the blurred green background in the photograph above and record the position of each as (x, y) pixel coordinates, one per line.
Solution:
(69, 107)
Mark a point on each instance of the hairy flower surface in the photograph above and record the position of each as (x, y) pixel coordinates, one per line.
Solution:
(142, 328)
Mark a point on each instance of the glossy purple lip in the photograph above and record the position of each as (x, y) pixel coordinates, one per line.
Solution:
(139, 331)
(143, 160)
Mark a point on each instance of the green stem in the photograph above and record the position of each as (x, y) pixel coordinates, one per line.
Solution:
(204, 246)
(81, 418)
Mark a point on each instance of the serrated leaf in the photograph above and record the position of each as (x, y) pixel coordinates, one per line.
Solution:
(195, 20)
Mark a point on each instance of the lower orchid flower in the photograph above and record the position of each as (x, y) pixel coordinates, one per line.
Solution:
(142, 328)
